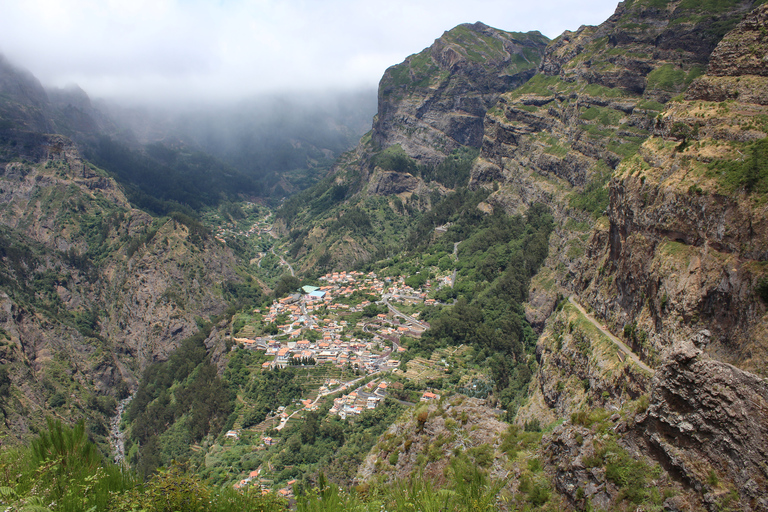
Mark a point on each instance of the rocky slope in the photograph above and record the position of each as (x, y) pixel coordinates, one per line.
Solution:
(431, 111)
(434, 102)
(92, 289)
(682, 255)
(675, 263)
(595, 100)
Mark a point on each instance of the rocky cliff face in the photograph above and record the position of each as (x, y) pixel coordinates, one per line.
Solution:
(681, 257)
(707, 423)
(92, 289)
(693, 443)
(435, 101)
(431, 110)
(650, 157)
(595, 100)
(600, 87)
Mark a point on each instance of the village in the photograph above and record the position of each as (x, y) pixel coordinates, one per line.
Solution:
(320, 311)
(350, 321)
(369, 346)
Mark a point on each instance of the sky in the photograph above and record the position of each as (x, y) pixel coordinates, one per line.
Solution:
(186, 50)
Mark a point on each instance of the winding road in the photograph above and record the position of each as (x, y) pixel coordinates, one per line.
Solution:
(616, 341)
(283, 262)
(385, 299)
(284, 421)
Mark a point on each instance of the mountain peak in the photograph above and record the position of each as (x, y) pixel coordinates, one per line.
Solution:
(434, 102)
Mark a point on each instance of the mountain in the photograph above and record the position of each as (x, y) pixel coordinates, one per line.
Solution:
(435, 101)
(424, 138)
(93, 290)
(587, 215)
(644, 137)
(286, 142)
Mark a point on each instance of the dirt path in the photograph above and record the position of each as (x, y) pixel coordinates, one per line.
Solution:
(624, 348)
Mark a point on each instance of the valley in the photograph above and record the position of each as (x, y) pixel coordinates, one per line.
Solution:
(538, 283)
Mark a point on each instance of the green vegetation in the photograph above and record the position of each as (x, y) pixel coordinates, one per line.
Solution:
(631, 475)
(467, 488)
(178, 402)
(541, 85)
(603, 115)
(495, 265)
(394, 158)
(162, 180)
(749, 174)
(670, 77)
(594, 198)
(454, 170)
(62, 471)
(418, 70)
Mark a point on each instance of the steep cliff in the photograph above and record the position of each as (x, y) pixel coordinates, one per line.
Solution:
(599, 90)
(424, 138)
(92, 289)
(434, 102)
(674, 265)
(682, 256)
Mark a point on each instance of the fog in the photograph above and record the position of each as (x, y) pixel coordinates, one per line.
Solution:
(188, 51)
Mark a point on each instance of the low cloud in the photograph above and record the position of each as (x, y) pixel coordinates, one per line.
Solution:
(185, 50)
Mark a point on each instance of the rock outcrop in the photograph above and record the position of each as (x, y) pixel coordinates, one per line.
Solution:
(707, 423)
(435, 101)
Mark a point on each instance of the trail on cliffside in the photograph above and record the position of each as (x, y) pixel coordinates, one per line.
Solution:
(624, 348)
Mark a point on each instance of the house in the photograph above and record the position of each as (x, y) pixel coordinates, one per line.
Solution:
(232, 434)
(427, 396)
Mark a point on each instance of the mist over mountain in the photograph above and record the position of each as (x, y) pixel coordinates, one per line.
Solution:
(264, 136)
(535, 280)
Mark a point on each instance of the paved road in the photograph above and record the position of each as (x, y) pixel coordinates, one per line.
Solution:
(455, 258)
(624, 348)
(283, 262)
(284, 421)
(397, 312)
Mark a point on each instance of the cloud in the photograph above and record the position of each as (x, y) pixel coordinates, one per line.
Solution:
(191, 49)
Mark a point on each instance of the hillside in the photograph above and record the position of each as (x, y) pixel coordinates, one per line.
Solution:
(558, 299)
(426, 133)
(644, 137)
(93, 289)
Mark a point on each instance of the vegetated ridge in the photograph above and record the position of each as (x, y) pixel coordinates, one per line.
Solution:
(622, 165)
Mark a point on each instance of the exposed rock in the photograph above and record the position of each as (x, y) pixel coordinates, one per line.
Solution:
(708, 422)
(387, 183)
(460, 424)
(434, 102)
(682, 249)
(127, 288)
(743, 51)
